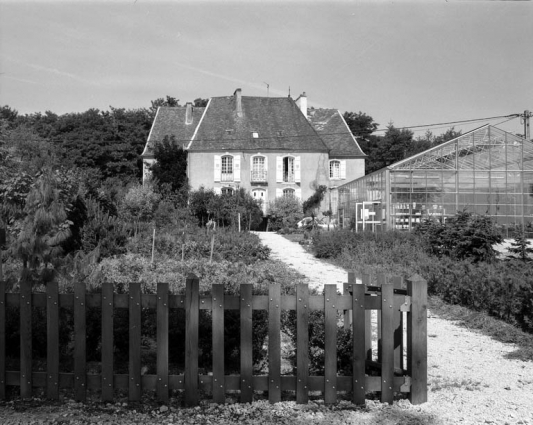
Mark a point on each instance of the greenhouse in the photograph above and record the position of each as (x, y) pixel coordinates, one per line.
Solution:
(484, 171)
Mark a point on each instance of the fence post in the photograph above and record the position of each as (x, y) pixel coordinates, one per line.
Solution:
(381, 280)
(2, 338)
(107, 341)
(387, 343)
(330, 343)
(417, 339)
(398, 330)
(52, 340)
(25, 337)
(192, 289)
(219, 390)
(274, 343)
(302, 343)
(358, 341)
(135, 342)
(162, 342)
(246, 344)
(365, 280)
(80, 359)
(347, 287)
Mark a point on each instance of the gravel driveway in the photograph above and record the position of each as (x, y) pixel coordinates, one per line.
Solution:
(472, 380)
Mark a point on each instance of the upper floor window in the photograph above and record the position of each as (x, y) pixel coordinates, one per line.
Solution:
(259, 169)
(337, 169)
(288, 169)
(227, 168)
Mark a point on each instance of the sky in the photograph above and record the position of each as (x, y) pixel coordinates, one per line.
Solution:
(405, 62)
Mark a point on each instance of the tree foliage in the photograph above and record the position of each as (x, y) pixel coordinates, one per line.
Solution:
(313, 202)
(170, 166)
(284, 211)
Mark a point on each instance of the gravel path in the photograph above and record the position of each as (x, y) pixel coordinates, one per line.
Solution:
(471, 380)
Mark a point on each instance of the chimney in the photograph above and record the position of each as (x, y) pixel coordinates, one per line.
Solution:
(238, 102)
(302, 103)
(188, 113)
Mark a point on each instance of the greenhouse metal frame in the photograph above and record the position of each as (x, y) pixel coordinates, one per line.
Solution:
(485, 171)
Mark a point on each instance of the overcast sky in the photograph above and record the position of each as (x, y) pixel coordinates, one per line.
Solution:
(407, 62)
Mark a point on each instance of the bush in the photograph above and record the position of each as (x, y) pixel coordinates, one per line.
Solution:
(284, 212)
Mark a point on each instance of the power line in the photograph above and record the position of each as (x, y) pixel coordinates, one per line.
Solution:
(454, 122)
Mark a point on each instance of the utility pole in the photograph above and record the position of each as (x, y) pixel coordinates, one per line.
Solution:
(525, 117)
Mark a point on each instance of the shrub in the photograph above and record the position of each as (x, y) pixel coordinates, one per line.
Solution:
(284, 212)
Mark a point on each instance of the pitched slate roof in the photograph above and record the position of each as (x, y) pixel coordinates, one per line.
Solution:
(335, 133)
(278, 122)
(170, 121)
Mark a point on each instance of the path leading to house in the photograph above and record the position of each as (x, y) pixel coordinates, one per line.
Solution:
(317, 272)
(472, 379)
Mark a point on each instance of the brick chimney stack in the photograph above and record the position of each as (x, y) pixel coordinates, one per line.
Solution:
(238, 102)
(188, 113)
(302, 103)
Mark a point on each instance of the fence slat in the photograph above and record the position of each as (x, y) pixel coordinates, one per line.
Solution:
(387, 343)
(25, 339)
(330, 343)
(162, 342)
(107, 342)
(365, 279)
(302, 343)
(347, 287)
(381, 280)
(358, 341)
(3, 318)
(246, 344)
(192, 288)
(274, 343)
(52, 340)
(134, 369)
(417, 339)
(219, 390)
(398, 328)
(80, 342)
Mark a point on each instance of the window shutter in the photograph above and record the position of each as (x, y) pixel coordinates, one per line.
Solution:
(218, 167)
(237, 168)
(298, 193)
(343, 169)
(297, 173)
(279, 169)
(279, 192)
(266, 167)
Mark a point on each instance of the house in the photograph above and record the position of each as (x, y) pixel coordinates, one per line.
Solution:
(271, 146)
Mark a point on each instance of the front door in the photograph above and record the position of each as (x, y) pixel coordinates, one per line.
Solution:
(260, 195)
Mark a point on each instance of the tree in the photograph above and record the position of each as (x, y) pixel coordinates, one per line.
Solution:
(388, 149)
(170, 166)
(200, 103)
(361, 125)
(284, 211)
(168, 101)
(313, 202)
(44, 229)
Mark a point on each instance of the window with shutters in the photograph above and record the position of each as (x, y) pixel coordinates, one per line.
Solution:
(259, 172)
(227, 191)
(288, 193)
(334, 169)
(227, 169)
(288, 169)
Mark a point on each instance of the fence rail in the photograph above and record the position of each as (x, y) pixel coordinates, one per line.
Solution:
(401, 341)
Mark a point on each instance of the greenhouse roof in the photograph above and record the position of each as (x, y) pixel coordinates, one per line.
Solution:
(484, 148)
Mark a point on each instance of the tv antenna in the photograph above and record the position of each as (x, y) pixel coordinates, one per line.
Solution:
(268, 88)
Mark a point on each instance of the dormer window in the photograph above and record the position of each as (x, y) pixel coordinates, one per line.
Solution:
(255, 134)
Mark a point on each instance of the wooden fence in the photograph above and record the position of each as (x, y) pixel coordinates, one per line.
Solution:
(401, 359)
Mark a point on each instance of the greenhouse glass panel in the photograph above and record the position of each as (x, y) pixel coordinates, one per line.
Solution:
(497, 181)
(513, 182)
(514, 157)
(419, 181)
(482, 182)
(448, 181)
(466, 181)
(434, 181)
(400, 182)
